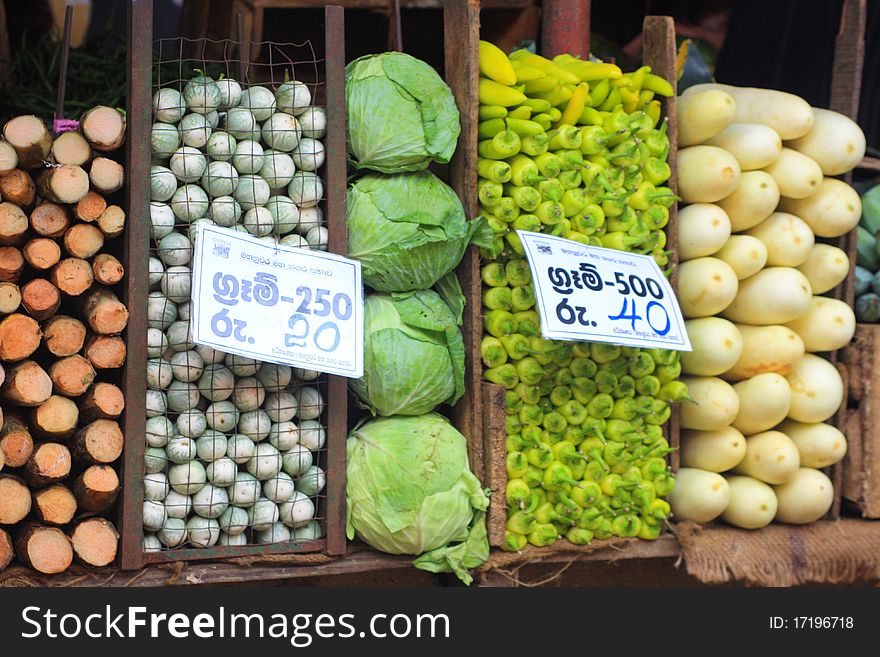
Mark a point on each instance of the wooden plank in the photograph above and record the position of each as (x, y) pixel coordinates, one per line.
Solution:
(229, 571)
(665, 546)
(565, 28)
(846, 83)
(659, 54)
(136, 254)
(461, 19)
(337, 417)
(495, 428)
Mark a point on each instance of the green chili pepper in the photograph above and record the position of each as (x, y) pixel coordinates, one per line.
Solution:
(528, 323)
(601, 405)
(543, 535)
(531, 435)
(512, 423)
(627, 525)
(533, 476)
(514, 542)
(658, 509)
(583, 367)
(520, 523)
(504, 375)
(514, 443)
(554, 422)
(664, 484)
(641, 365)
(540, 457)
(498, 298)
(601, 352)
(550, 213)
(626, 387)
(535, 144)
(517, 465)
(517, 493)
(606, 382)
(562, 355)
(531, 415)
(675, 391)
(570, 179)
(578, 536)
(548, 164)
(624, 409)
(574, 412)
(529, 370)
(528, 394)
(648, 386)
(499, 322)
(492, 352)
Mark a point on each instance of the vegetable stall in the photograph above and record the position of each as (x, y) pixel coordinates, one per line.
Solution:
(472, 444)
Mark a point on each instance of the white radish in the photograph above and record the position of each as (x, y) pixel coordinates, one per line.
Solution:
(828, 324)
(806, 498)
(745, 254)
(715, 404)
(752, 503)
(706, 286)
(714, 451)
(705, 174)
(817, 389)
(797, 175)
(753, 145)
(754, 199)
(835, 142)
(703, 229)
(775, 295)
(771, 457)
(826, 267)
(766, 349)
(699, 496)
(717, 346)
(819, 444)
(701, 116)
(832, 210)
(788, 239)
(764, 402)
(789, 115)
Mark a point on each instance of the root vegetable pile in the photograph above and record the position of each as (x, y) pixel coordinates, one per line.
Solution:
(60, 343)
(757, 169)
(232, 444)
(574, 149)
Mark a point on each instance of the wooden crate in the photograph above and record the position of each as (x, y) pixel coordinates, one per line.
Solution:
(480, 414)
(861, 467)
(329, 88)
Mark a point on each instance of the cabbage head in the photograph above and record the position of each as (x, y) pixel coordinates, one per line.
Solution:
(408, 230)
(410, 491)
(400, 114)
(413, 354)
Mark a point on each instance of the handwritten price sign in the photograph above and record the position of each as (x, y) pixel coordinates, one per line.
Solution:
(602, 295)
(277, 303)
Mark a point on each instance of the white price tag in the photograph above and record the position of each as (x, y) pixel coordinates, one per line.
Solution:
(277, 303)
(602, 295)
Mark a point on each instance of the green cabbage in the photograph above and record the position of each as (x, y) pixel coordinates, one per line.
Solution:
(400, 114)
(408, 230)
(413, 354)
(410, 491)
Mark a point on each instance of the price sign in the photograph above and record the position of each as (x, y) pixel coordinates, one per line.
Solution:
(602, 295)
(277, 303)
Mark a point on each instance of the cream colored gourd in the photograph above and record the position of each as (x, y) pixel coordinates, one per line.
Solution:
(745, 254)
(754, 199)
(826, 267)
(764, 401)
(771, 456)
(828, 324)
(715, 404)
(772, 348)
(699, 496)
(819, 444)
(789, 115)
(816, 389)
(835, 142)
(806, 498)
(788, 239)
(833, 210)
(706, 174)
(754, 146)
(775, 295)
(706, 286)
(797, 175)
(717, 346)
(715, 451)
(752, 503)
(703, 228)
(701, 116)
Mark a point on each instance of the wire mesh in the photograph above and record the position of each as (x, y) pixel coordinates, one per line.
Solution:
(235, 449)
